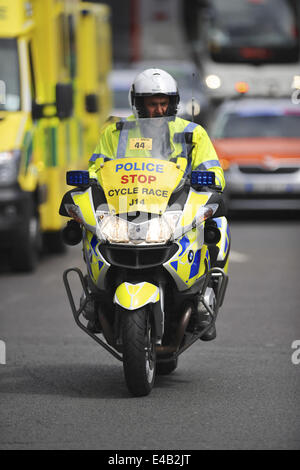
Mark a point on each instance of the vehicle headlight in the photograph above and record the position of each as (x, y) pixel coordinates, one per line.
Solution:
(296, 82)
(213, 82)
(193, 104)
(161, 229)
(9, 167)
(187, 108)
(118, 230)
(112, 228)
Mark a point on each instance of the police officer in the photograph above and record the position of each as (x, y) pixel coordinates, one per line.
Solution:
(154, 94)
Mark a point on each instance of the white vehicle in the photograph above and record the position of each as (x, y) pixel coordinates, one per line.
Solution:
(120, 80)
(251, 46)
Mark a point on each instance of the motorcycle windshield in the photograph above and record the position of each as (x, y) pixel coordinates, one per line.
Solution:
(147, 161)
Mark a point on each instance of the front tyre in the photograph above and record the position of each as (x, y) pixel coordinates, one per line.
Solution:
(139, 354)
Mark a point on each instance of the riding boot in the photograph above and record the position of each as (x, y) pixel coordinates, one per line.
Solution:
(203, 320)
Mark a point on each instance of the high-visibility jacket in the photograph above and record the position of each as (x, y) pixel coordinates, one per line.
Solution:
(203, 154)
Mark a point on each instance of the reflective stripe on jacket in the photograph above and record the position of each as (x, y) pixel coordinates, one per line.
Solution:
(203, 157)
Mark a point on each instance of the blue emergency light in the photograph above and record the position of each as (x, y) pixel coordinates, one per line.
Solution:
(78, 178)
(202, 178)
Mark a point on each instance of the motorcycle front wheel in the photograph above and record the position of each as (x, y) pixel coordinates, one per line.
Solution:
(139, 353)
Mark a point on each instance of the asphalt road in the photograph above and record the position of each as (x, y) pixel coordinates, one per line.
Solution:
(60, 390)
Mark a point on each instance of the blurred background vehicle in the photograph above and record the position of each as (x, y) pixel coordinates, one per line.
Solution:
(252, 41)
(258, 144)
(120, 80)
(54, 97)
(253, 44)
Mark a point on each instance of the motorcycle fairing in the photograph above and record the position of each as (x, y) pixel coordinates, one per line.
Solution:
(224, 243)
(68, 199)
(191, 261)
(80, 206)
(193, 206)
(133, 296)
(85, 201)
(97, 266)
(140, 184)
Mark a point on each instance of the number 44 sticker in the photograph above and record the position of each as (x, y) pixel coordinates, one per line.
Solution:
(142, 143)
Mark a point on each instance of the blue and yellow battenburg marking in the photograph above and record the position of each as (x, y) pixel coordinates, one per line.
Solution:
(207, 259)
(224, 243)
(191, 261)
(95, 263)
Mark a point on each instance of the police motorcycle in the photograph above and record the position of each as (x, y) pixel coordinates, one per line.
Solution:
(155, 244)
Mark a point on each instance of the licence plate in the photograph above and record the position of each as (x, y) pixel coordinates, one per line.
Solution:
(271, 188)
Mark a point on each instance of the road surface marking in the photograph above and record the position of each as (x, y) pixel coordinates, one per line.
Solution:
(236, 257)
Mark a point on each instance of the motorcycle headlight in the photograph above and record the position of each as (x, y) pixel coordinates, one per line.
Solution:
(9, 167)
(118, 230)
(112, 228)
(161, 229)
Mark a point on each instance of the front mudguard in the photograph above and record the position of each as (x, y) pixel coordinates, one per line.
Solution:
(134, 296)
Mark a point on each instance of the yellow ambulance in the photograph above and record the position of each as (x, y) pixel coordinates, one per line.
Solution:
(55, 57)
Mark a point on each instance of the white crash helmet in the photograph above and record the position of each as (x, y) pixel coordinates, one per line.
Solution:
(153, 82)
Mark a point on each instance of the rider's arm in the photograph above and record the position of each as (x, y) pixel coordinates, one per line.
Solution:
(103, 149)
(204, 156)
